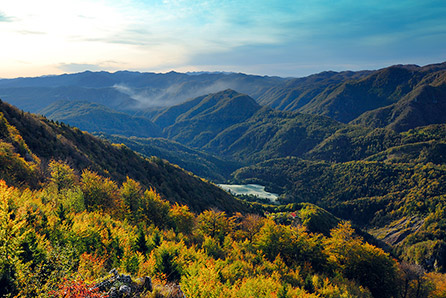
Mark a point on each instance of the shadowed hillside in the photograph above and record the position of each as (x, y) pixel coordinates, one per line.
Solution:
(48, 140)
(93, 117)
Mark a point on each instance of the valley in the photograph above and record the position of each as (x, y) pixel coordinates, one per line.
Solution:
(368, 147)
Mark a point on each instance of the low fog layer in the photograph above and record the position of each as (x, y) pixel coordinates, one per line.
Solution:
(172, 95)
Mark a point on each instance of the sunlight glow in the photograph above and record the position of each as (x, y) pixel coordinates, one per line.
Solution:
(52, 37)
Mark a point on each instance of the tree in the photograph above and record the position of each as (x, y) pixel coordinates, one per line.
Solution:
(249, 226)
(293, 245)
(131, 194)
(61, 175)
(154, 209)
(100, 193)
(166, 262)
(214, 224)
(12, 234)
(363, 262)
(141, 243)
(183, 220)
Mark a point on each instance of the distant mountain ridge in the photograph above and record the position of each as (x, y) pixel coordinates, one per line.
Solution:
(39, 140)
(94, 117)
(345, 96)
(295, 93)
(368, 146)
(125, 90)
(424, 105)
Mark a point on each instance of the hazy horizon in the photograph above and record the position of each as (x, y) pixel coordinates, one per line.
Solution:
(280, 38)
(216, 71)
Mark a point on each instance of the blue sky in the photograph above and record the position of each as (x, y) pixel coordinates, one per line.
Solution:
(285, 38)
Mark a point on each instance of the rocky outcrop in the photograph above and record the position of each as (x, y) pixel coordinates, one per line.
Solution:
(121, 285)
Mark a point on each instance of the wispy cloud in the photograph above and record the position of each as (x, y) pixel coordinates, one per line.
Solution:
(5, 18)
(249, 35)
(30, 32)
(77, 67)
(106, 65)
(174, 94)
(358, 33)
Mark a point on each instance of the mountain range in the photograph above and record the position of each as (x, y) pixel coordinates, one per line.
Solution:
(124, 90)
(33, 141)
(74, 208)
(368, 146)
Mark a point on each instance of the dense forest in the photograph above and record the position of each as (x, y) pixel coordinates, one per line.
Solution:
(358, 160)
(46, 140)
(62, 231)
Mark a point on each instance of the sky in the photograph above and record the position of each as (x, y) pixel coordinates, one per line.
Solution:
(274, 37)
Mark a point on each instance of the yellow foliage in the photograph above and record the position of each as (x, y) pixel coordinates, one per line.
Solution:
(101, 194)
(131, 194)
(369, 265)
(61, 175)
(99, 231)
(91, 267)
(438, 281)
(202, 281)
(182, 218)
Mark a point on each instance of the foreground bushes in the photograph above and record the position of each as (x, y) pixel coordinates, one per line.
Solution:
(78, 228)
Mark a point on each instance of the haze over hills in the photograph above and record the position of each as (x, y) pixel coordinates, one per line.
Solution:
(124, 90)
(239, 149)
(62, 219)
(94, 117)
(368, 146)
(46, 140)
(384, 96)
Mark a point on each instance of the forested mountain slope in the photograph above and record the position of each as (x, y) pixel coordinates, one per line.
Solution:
(205, 119)
(62, 230)
(422, 106)
(345, 96)
(94, 117)
(125, 90)
(420, 145)
(48, 140)
(233, 125)
(375, 195)
(269, 134)
(63, 238)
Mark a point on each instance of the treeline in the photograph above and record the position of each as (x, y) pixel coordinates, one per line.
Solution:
(31, 141)
(420, 145)
(375, 195)
(195, 161)
(76, 228)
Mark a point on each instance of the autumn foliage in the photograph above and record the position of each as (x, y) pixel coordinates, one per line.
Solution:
(59, 240)
(76, 289)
